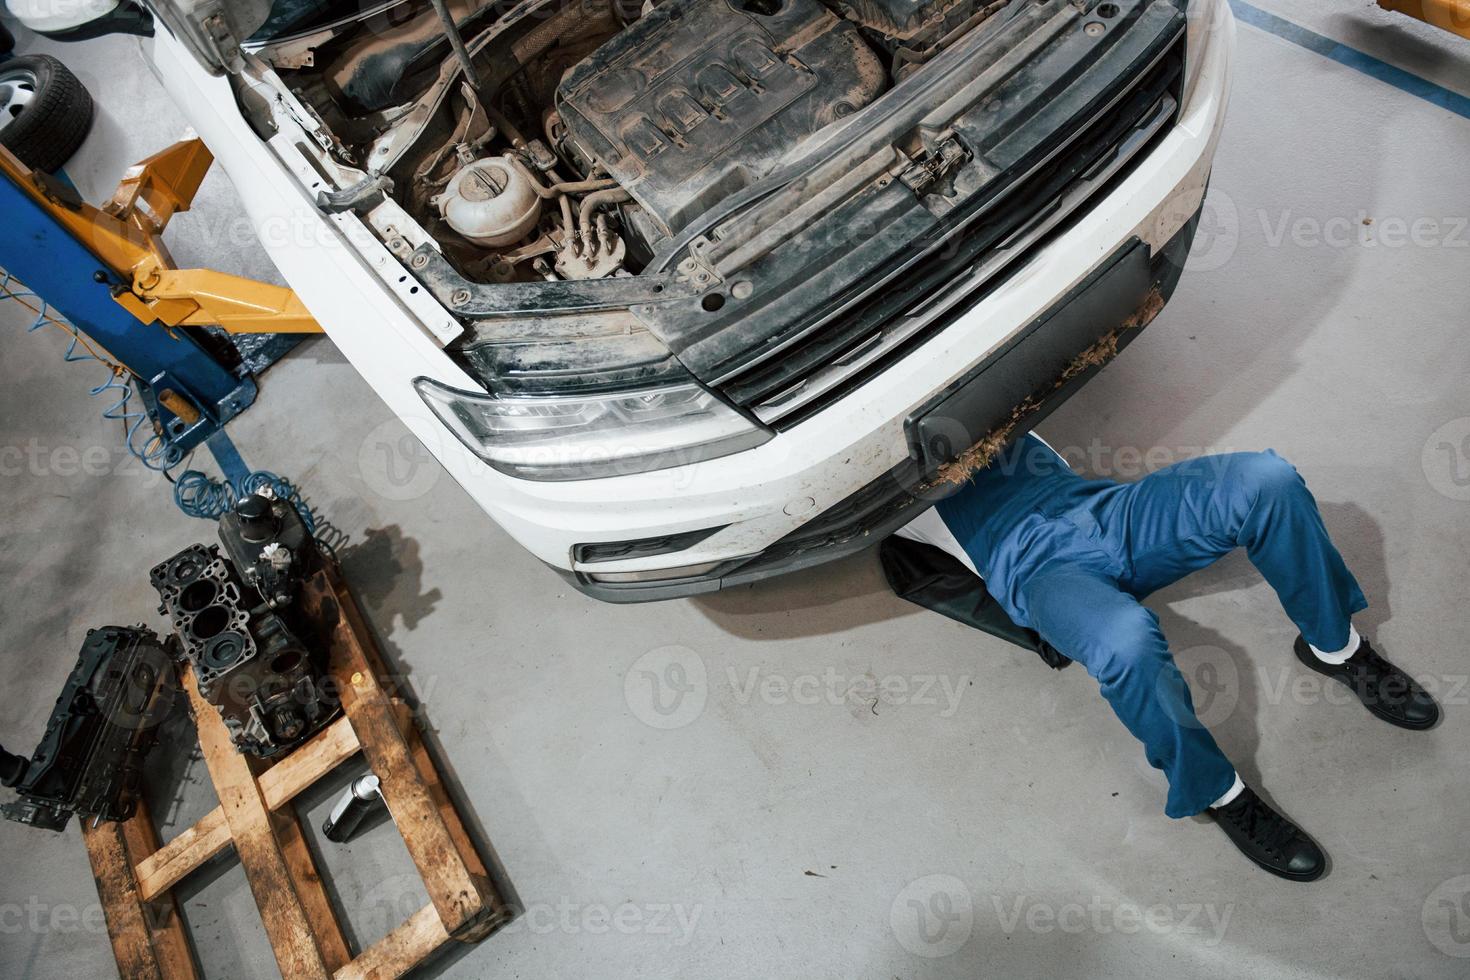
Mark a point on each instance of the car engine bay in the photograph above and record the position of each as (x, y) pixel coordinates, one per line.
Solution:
(589, 133)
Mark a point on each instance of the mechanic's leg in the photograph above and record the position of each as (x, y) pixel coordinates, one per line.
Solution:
(1184, 517)
(1090, 619)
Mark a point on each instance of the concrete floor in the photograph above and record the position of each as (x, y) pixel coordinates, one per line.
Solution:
(983, 817)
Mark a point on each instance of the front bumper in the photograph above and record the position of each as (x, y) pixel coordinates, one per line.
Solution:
(1099, 306)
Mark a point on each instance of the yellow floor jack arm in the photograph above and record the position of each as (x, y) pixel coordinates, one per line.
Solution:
(126, 234)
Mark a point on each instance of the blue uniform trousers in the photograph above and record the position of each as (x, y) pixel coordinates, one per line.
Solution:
(1071, 558)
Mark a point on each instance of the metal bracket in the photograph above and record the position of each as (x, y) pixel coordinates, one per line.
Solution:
(936, 162)
(472, 300)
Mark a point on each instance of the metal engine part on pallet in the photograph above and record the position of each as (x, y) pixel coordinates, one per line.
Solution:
(239, 630)
(103, 725)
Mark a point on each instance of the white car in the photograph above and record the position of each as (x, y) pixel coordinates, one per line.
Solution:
(697, 292)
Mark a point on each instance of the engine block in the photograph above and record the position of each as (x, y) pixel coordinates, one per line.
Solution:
(104, 723)
(233, 616)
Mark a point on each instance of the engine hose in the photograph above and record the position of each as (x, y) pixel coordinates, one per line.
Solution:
(578, 187)
(562, 189)
(590, 204)
(567, 221)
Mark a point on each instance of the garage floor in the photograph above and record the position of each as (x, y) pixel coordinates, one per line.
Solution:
(843, 785)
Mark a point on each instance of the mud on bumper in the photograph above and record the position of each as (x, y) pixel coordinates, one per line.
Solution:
(956, 432)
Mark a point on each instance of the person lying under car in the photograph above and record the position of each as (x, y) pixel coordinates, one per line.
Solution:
(1072, 559)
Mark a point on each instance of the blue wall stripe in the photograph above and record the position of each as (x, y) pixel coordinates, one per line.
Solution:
(1352, 58)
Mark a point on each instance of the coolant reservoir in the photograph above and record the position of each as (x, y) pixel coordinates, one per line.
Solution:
(491, 203)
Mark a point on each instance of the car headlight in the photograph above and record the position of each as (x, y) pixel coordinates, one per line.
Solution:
(1205, 20)
(588, 436)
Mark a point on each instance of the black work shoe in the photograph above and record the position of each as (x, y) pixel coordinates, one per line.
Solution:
(1385, 690)
(1269, 839)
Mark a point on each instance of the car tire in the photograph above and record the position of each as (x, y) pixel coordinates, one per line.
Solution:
(45, 111)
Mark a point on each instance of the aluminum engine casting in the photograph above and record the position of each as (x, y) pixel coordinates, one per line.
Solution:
(237, 624)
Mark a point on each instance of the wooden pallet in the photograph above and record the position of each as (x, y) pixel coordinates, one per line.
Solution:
(135, 876)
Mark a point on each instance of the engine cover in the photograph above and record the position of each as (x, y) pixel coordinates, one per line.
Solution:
(700, 98)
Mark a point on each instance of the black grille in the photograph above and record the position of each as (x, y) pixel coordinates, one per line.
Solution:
(643, 547)
(878, 328)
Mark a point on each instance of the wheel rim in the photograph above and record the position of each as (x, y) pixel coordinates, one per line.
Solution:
(17, 92)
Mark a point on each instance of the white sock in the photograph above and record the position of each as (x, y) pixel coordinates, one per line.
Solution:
(1340, 656)
(1236, 788)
